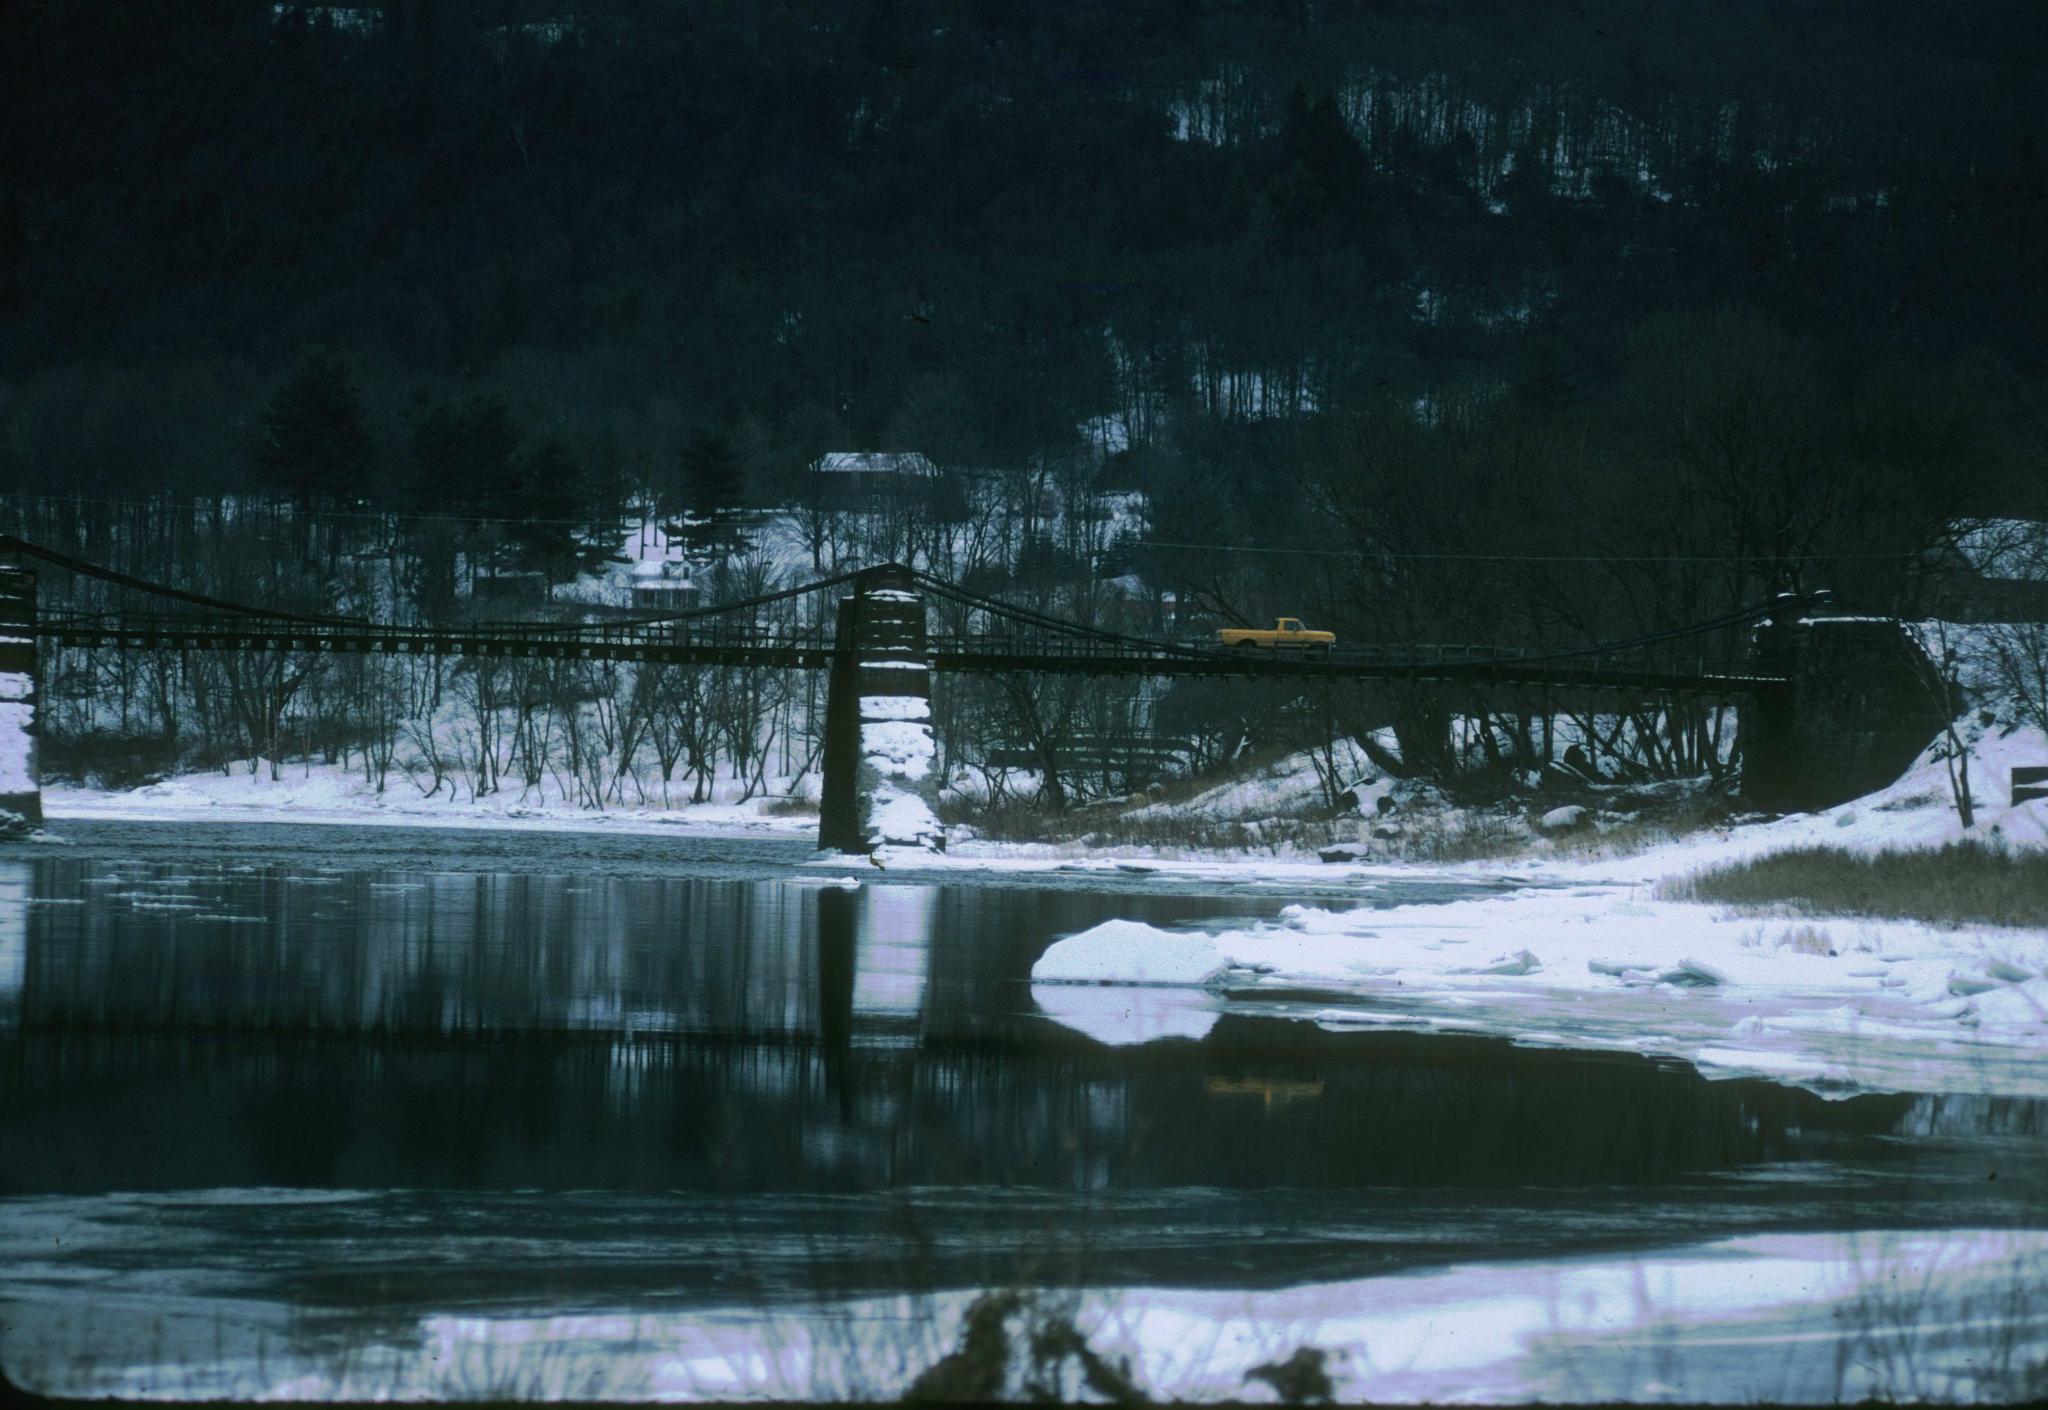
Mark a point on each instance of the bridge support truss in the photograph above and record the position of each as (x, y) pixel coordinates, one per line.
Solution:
(21, 796)
(879, 780)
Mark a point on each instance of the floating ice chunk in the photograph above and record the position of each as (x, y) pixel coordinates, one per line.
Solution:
(1130, 952)
(1964, 985)
(2008, 971)
(1620, 969)
(2021, 1006)
(1520, 962)
(1693, 974)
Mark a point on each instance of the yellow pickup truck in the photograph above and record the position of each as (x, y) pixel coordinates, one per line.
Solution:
(1287, 634)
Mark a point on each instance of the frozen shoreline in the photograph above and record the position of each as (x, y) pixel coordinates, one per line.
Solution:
(1950, 1315)
(1915, 811)
(1569, 951)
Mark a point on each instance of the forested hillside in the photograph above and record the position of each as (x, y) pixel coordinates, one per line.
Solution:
(969, 228)
(1518, 323)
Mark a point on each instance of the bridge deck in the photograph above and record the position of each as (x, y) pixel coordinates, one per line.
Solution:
(696, 645)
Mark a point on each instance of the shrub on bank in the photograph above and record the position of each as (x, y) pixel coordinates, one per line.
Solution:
(1966, 881)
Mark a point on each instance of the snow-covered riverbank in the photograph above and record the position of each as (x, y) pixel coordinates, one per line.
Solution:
(1586, 954)
(1575, 949)
(1915, 811)
(324, 794)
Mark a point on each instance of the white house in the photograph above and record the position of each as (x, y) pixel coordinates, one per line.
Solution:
(663, 585)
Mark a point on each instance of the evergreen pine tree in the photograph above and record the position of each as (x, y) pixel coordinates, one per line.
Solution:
(710, 472)
(712, 487)
(315, 446)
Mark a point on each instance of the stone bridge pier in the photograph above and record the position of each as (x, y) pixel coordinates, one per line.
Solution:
(21, 797)
(879, 775)
(1862, 698)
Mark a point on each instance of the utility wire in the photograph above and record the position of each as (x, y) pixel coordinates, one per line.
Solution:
(201, 506)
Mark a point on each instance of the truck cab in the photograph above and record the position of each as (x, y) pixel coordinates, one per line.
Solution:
(1286, 634)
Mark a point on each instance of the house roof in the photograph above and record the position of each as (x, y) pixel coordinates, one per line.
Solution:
(874, 462)
(660, 572)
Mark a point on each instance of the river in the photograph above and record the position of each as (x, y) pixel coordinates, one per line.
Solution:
(295, 1109)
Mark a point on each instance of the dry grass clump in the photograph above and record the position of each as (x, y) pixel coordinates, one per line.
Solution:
(1961, 882)
(1807, 940)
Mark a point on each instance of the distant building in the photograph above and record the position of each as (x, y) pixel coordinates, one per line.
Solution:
(509, 589)
(1991, 570)
(859, 473)
(342, 19)
(663, 585)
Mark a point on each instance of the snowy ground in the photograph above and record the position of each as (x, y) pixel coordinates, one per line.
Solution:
(323, 793)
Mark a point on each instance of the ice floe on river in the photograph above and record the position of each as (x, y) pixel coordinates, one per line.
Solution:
(1131, 952)
(1839, 1005)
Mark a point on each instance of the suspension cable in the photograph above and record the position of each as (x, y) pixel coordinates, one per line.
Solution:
(697, 613)
(10, 544)
(1033, 618)
(1011, 611)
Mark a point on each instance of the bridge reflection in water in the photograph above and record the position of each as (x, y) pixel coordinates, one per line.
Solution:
(238, 1027)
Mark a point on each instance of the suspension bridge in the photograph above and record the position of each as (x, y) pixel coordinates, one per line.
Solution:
(1862, 683)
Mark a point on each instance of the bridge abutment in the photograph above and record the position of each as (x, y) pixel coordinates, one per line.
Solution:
(1861, 699)
(21, 796)
(879, 782)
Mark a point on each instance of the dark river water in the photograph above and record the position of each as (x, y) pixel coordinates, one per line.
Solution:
(571, 1074)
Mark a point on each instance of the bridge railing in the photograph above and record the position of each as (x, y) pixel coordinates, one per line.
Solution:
(1226, 660)
(1653, 666)
(149, 624)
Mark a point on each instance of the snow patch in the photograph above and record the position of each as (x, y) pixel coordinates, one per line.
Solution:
(895, 707)
(17, 742)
